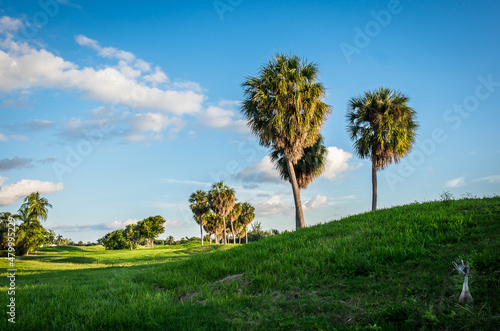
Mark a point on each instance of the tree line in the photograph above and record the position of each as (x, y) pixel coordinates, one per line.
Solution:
(218, 213)
(146, 230)
(30, 233)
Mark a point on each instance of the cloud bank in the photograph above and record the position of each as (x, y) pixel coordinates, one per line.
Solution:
(10, 193)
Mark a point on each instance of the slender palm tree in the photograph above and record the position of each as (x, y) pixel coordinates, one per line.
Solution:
(198, 202)
(246, 217)
(36, 206)
(233, 216)
(222, 200)
(283, 108)
(383, 128)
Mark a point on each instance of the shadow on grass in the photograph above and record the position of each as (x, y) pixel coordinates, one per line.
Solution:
(119, 257)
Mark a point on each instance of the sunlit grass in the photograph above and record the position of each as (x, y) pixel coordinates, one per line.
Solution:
(391, 268)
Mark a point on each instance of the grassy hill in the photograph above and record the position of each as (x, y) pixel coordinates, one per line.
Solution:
(390, 269)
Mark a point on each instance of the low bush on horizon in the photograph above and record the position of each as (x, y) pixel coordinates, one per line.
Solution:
(389, 269)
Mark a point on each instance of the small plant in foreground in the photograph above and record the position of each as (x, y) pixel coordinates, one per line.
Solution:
(465, 270)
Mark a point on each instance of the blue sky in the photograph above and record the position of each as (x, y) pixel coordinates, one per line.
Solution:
(119, 111)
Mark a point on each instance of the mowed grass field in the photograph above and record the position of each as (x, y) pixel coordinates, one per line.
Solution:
(384, 270)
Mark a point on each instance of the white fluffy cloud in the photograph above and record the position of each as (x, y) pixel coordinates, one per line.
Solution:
(109, 52)
(224, 116)
(10, 193)
(23, 67)
(9, 24)
(144, 126)
(155, 122)
(456, 182)
(120, 225)
(263, 172)
(316, 203)
(337, 163)
(271, 206)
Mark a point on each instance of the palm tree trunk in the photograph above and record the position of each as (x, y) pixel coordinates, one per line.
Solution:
(232, 231)
(374, 187)
(201, 233)
(224, 240)
(246, 235)
(299, 214)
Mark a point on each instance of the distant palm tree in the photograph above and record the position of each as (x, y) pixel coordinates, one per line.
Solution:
(213, 225)
(30, 233)
(246, 217)
(233, 216)
(222, 200)
(198, 202)
(383, 128)
(4, 229)
(283, 108)
(239, 229)
(36, 206)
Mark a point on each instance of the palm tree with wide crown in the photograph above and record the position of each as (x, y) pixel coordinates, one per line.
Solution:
(284, 108)
(383, 128)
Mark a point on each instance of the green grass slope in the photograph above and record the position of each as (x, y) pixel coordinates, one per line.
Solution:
(390, 269)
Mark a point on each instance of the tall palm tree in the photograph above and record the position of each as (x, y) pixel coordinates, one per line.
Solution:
(283, 108)
(233, 216)
(246, 217)
(36, 206)
(222, 200)
(383, 128)
(198, 202)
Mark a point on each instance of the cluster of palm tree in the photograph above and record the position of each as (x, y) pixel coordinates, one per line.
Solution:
(218, 212)
(30, 234)
(284, 109)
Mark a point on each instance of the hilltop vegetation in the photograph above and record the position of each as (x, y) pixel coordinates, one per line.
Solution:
(389, 269)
